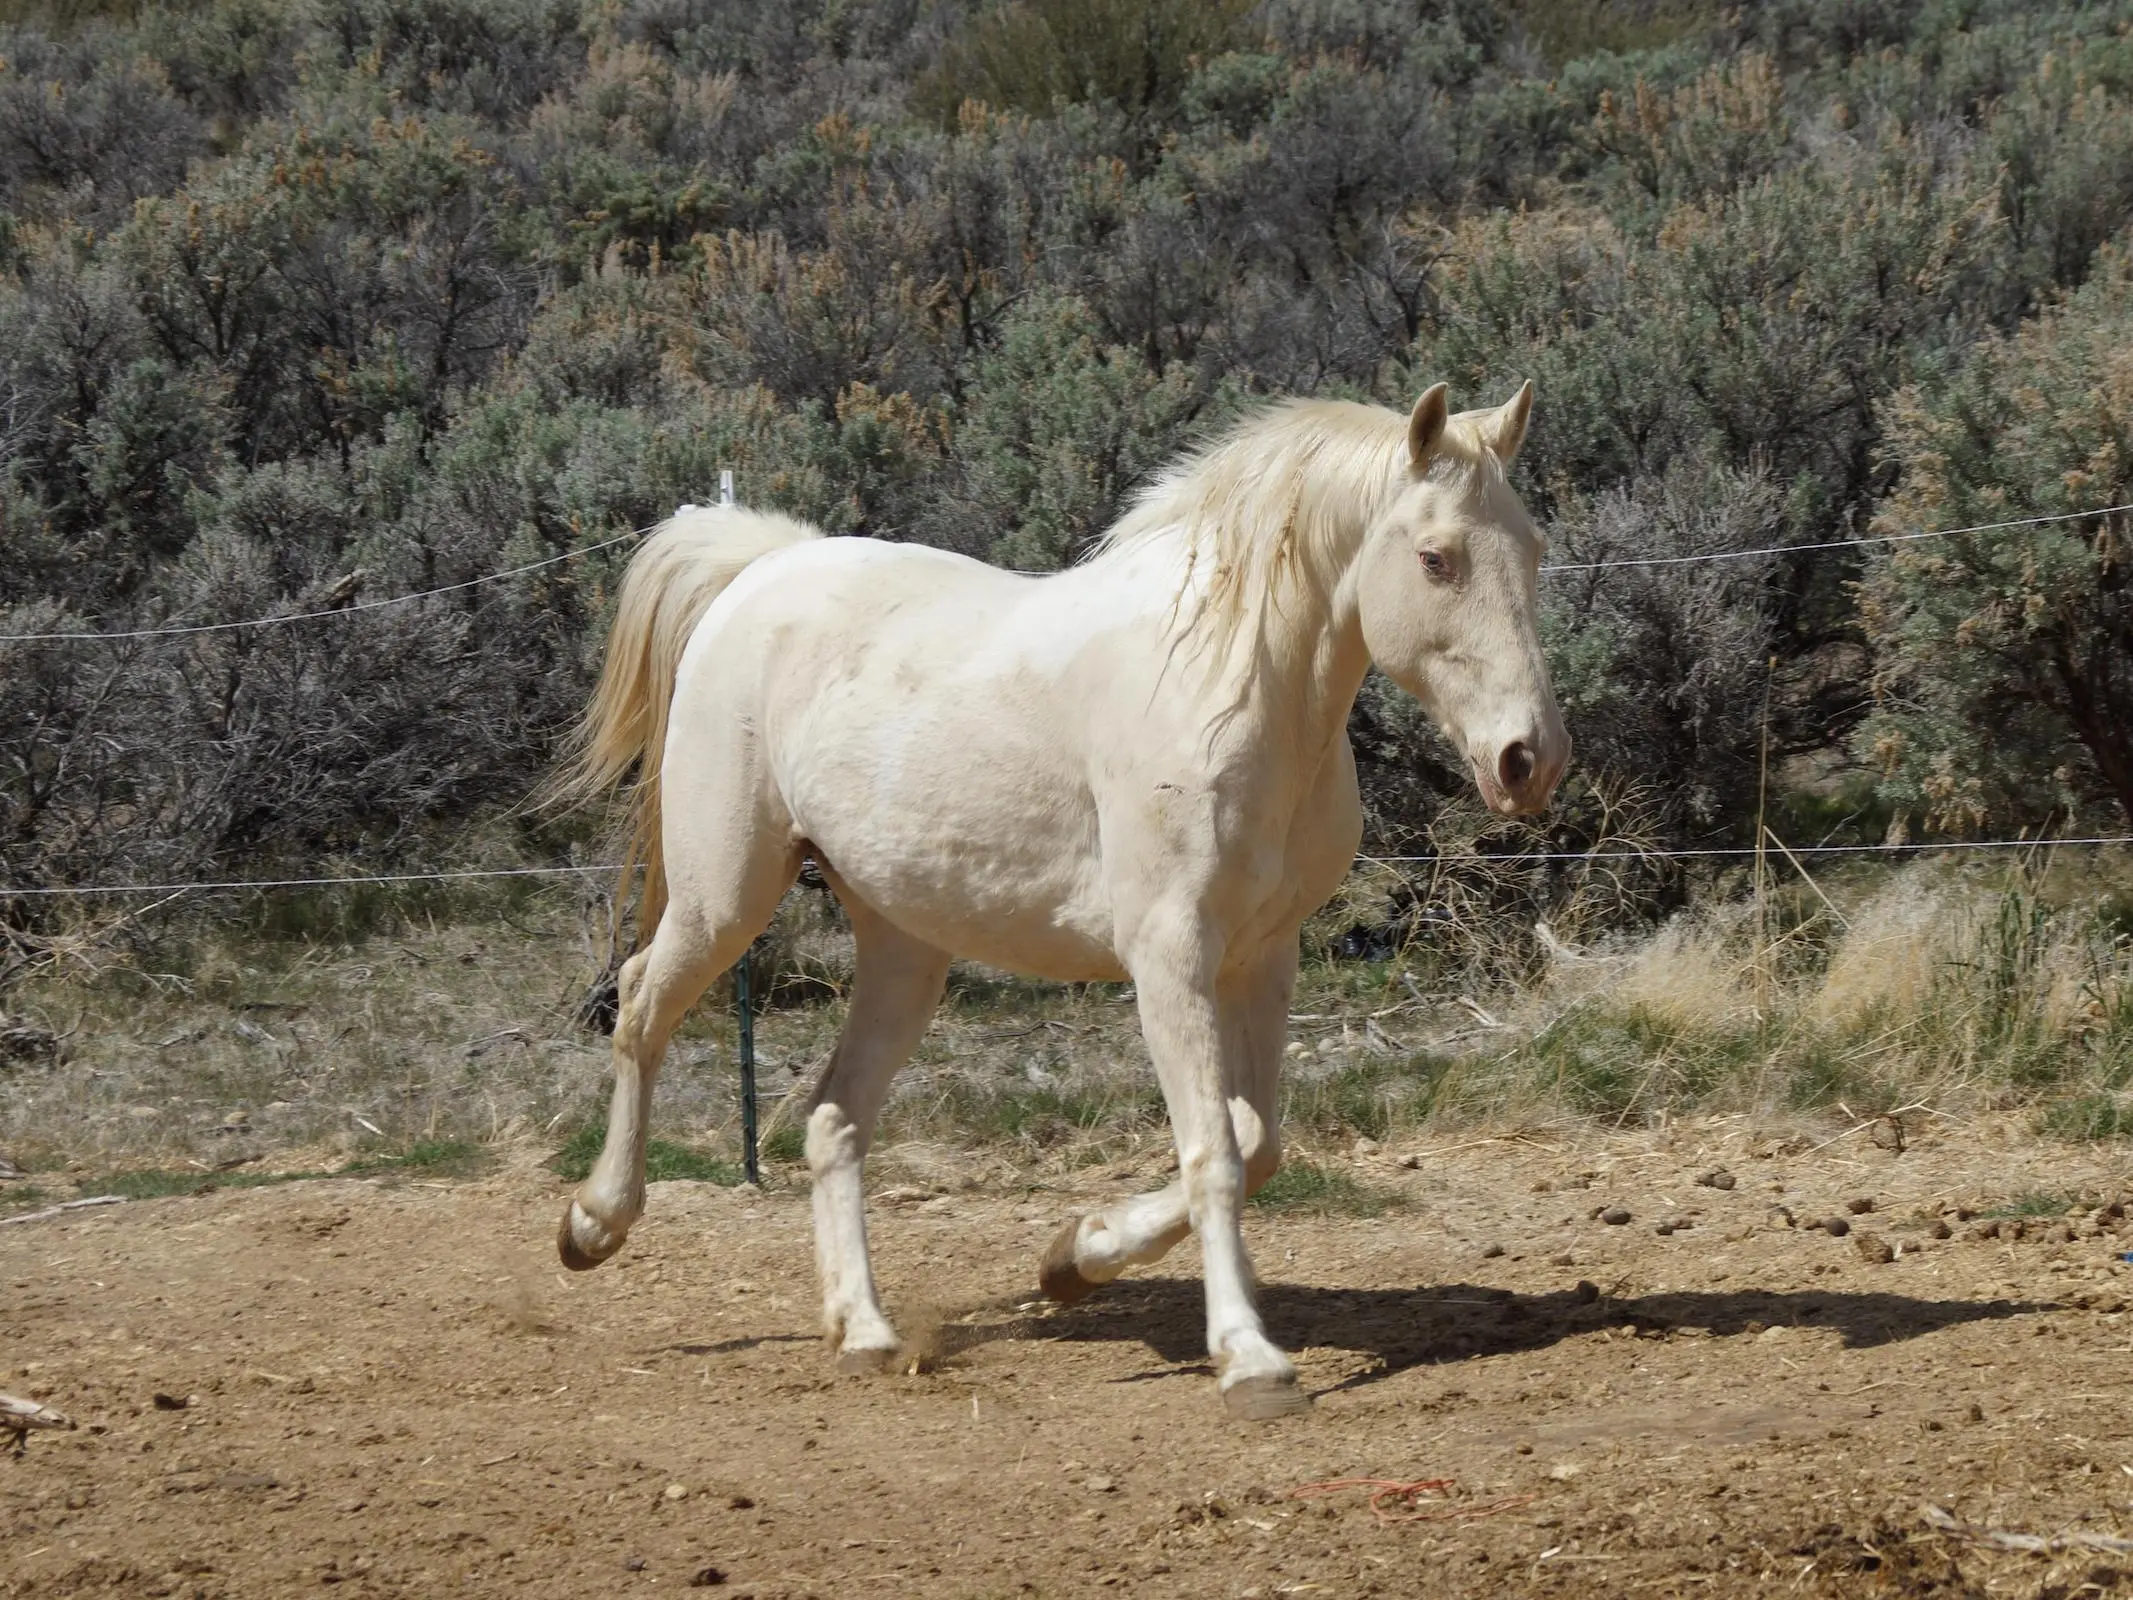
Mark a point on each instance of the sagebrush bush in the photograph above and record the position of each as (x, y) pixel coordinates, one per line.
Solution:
(300, 304)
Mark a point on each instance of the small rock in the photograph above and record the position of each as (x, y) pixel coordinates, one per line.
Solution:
(1365, 1148)
(706, 1578)
(1100, 1484)
(1781, 1217)
(1413, 1163)
(1491, 1252)
(677, 1491)
(1860, 1206)
(634, 1564)
(1564, 1471)
(1718, 1178)
(1523, 1448)
(1976, 1412)
(1836, 1227)
(739, 1502)
(1586, 1292)
(171, 1402)
(1614, 1216)
(1874, 1250)
(1664, 1229)
(1562, 1261)
(1940, 1230)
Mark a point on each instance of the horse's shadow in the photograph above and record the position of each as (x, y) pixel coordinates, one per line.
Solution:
(1405, 1328)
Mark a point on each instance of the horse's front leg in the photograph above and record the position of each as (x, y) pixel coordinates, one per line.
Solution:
(1175, 974)
(1253, 1005)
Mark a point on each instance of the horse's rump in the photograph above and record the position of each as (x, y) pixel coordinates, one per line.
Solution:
(676, 574)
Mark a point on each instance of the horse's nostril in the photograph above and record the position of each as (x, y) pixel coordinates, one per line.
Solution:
(1516, 764)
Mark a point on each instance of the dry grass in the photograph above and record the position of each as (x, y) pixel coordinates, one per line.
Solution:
(313, 1034)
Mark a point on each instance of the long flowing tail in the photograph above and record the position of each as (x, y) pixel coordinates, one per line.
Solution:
(677, 572)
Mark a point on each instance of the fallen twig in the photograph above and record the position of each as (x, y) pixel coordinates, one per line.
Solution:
(1944, 1521)
(18, 1416)
(1473, 1008)
(64, 1205)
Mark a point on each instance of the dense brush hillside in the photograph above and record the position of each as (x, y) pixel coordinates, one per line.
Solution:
(328, 301)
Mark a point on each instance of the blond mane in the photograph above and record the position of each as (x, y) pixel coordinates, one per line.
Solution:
(1272, 511)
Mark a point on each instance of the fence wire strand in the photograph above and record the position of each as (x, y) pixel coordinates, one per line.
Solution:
(331, 611)
(1519, 858)
(1860, 542)
(1835, 544)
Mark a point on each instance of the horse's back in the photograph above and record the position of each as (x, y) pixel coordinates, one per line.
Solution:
(920, 719)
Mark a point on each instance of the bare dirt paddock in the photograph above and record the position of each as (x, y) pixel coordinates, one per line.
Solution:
(394, 1389)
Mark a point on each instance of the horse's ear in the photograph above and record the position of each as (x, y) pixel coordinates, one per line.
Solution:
(1425, 425)
(1509, 429)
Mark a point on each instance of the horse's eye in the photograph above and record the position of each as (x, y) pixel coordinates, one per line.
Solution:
(1435, 565)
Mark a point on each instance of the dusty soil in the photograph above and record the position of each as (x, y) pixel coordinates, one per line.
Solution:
(395, 1389)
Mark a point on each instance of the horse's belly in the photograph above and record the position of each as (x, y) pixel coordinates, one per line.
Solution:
(1027, 910)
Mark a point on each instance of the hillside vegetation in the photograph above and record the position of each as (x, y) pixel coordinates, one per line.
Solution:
(309, 305)
(327, 301)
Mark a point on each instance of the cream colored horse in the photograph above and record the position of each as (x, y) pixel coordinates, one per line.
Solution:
(1137, 768)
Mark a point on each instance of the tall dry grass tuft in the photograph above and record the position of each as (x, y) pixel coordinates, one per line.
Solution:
(325, 1030)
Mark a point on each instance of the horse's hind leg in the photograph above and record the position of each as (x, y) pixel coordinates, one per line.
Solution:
(1254, 1018)
(894, 990)
(715, 908)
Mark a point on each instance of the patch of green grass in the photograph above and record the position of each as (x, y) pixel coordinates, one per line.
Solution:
(1043, 1115)
(429, 1158)
(785, 1143)
(1369, 1097)
(1306, 1186)
(23, 1197)
(662, 1160)
(2088, 1116)
(2036, 1203)
(157, 1185)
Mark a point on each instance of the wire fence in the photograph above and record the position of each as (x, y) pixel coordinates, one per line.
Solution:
(1506, 859)
(240, 885)
(1861, 542)
(351, 609)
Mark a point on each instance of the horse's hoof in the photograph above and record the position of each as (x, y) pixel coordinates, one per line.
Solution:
(866, 1363)
(576, 1256)
(1264, 1399)
(1058, 1278)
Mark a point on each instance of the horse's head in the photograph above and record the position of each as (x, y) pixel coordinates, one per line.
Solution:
(1446, 587)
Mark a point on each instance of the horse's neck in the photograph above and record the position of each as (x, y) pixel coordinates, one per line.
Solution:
(1290, 673)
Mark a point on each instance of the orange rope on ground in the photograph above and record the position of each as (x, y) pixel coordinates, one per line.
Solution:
(1393, 1501)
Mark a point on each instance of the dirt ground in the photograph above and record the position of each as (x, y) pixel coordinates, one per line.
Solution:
(393, 1387)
